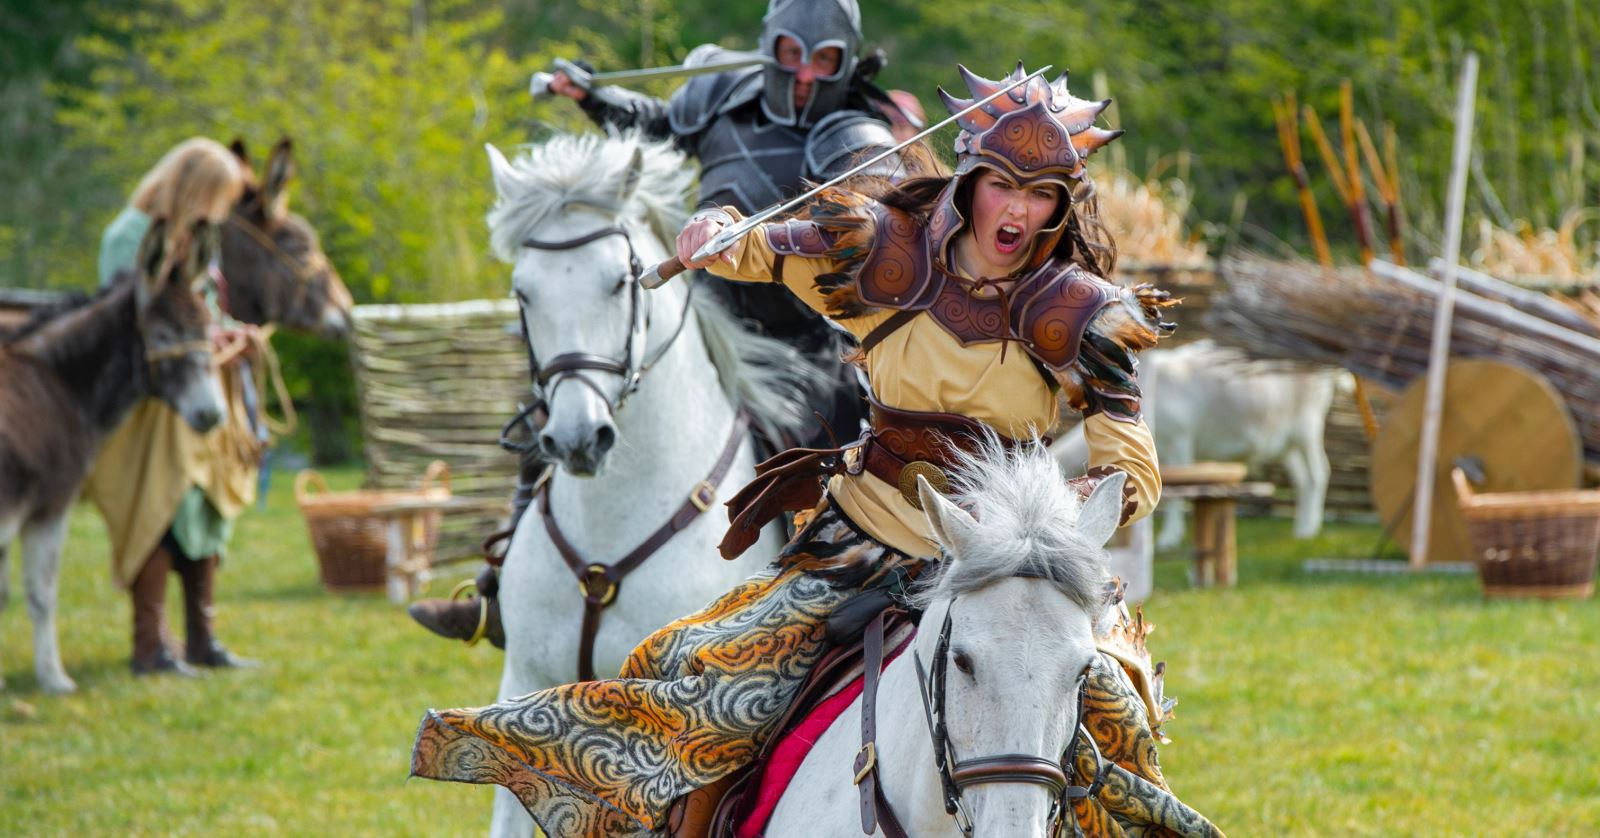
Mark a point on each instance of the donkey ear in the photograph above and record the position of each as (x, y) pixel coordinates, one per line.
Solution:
(280, 168)
(1100, 515)
(951, 524)
(202, 248)
(630, 178)
(152, 263)
(237, 147)
(505, 177)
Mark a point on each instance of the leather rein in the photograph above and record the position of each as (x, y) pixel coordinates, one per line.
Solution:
(957, 774)
(550, 375)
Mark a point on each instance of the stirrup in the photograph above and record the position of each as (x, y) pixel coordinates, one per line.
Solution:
(483, 610)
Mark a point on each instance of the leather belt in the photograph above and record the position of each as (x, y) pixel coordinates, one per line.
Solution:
(901, 446)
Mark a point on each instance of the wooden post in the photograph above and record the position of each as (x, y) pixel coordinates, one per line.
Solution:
(1439, 350)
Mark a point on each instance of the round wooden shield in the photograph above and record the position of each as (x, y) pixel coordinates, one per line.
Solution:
(1509, 418)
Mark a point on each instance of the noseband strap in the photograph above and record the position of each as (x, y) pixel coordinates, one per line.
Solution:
(958, 774)
(571, 364)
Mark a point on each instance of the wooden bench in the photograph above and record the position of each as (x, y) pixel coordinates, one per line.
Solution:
(409, 560)
(1213, 490)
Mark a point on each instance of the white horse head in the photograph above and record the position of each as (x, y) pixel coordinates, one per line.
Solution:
(1020, 585)
(579, 295)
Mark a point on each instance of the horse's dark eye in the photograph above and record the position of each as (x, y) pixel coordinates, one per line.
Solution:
(962, 661)
(622, 282)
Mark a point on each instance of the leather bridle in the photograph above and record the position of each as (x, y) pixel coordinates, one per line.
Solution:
(956, 774)
(569, 365)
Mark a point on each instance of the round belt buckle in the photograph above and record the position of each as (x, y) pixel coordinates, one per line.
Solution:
(921, 468)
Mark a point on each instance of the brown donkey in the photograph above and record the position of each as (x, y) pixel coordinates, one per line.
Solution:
(68, 377)
(272, 261)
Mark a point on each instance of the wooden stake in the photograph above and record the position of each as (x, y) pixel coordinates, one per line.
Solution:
(1352, 165)
(1439, 351)
(1287, 113)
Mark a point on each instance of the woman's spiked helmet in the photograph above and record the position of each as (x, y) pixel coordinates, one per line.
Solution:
(1035, 133)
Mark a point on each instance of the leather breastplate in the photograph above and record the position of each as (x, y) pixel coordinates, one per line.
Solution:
(1046, 311)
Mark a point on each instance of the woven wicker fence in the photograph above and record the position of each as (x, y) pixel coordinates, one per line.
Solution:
(436, 382)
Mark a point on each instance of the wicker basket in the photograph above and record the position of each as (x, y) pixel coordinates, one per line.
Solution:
(1532, 544)
(351, 542)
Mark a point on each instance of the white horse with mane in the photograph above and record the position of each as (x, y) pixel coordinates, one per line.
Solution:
(1015, 622)
(643, 391)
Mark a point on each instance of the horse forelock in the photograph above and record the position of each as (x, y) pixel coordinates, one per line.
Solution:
(589, 170)
(1026, 525)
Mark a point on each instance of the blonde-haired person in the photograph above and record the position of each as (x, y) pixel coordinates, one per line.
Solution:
(169, 494)
(198, 179)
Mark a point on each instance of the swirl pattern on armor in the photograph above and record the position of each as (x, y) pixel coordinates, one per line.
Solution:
(1029, 141)
(1052, 318)
(897, 273)
(694, 701)
(799, 238)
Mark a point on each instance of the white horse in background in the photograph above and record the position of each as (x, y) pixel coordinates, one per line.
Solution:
(1205, 402)
(629, 460)
(1021, 587)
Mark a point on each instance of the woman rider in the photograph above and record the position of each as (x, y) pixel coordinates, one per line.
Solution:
(974, 298)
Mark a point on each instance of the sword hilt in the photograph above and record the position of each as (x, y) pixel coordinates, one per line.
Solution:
(661, 274)
(539, 85)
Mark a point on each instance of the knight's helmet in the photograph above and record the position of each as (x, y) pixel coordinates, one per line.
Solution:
(1036, 132)
(816, 25)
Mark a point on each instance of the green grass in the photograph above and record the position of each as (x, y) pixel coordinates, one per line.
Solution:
(1310, 704)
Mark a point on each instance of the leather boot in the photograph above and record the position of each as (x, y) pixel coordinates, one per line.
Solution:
(199, 589)
(151, 651)
(459, 619)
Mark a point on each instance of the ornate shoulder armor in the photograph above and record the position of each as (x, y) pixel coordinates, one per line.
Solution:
(1055, 306)
(898, 273)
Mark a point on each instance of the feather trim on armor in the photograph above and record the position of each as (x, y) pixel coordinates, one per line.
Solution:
(1104, 377)
(848, 219)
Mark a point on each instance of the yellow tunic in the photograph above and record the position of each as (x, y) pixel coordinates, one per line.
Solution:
(921, 366)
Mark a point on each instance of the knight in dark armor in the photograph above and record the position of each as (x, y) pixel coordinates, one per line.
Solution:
(761, 132)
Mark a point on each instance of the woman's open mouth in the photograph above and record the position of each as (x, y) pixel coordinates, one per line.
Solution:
(1008, 238)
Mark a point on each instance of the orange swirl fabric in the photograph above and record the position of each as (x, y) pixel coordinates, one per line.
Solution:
(694, 701)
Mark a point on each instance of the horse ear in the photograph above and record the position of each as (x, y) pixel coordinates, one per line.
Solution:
(630, 178)
(280, 167)
(505, 176)
(951, 524)
(1100, 515)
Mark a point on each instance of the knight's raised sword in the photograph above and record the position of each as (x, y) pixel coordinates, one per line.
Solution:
(658, 275)
(539, 85)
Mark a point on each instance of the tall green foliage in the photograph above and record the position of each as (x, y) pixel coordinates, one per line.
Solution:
(389, 103)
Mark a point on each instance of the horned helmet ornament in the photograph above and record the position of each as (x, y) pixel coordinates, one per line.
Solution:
(1037, 132)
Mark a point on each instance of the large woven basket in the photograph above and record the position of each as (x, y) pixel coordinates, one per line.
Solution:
(1532, 544)
(351, 542)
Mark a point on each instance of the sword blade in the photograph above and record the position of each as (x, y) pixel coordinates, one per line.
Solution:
(727, 237)
(677, 71)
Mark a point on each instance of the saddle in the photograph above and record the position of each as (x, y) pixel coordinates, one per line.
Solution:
(718, 810)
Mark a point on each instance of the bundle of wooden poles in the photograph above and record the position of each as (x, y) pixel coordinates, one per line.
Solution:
(1376, 321)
